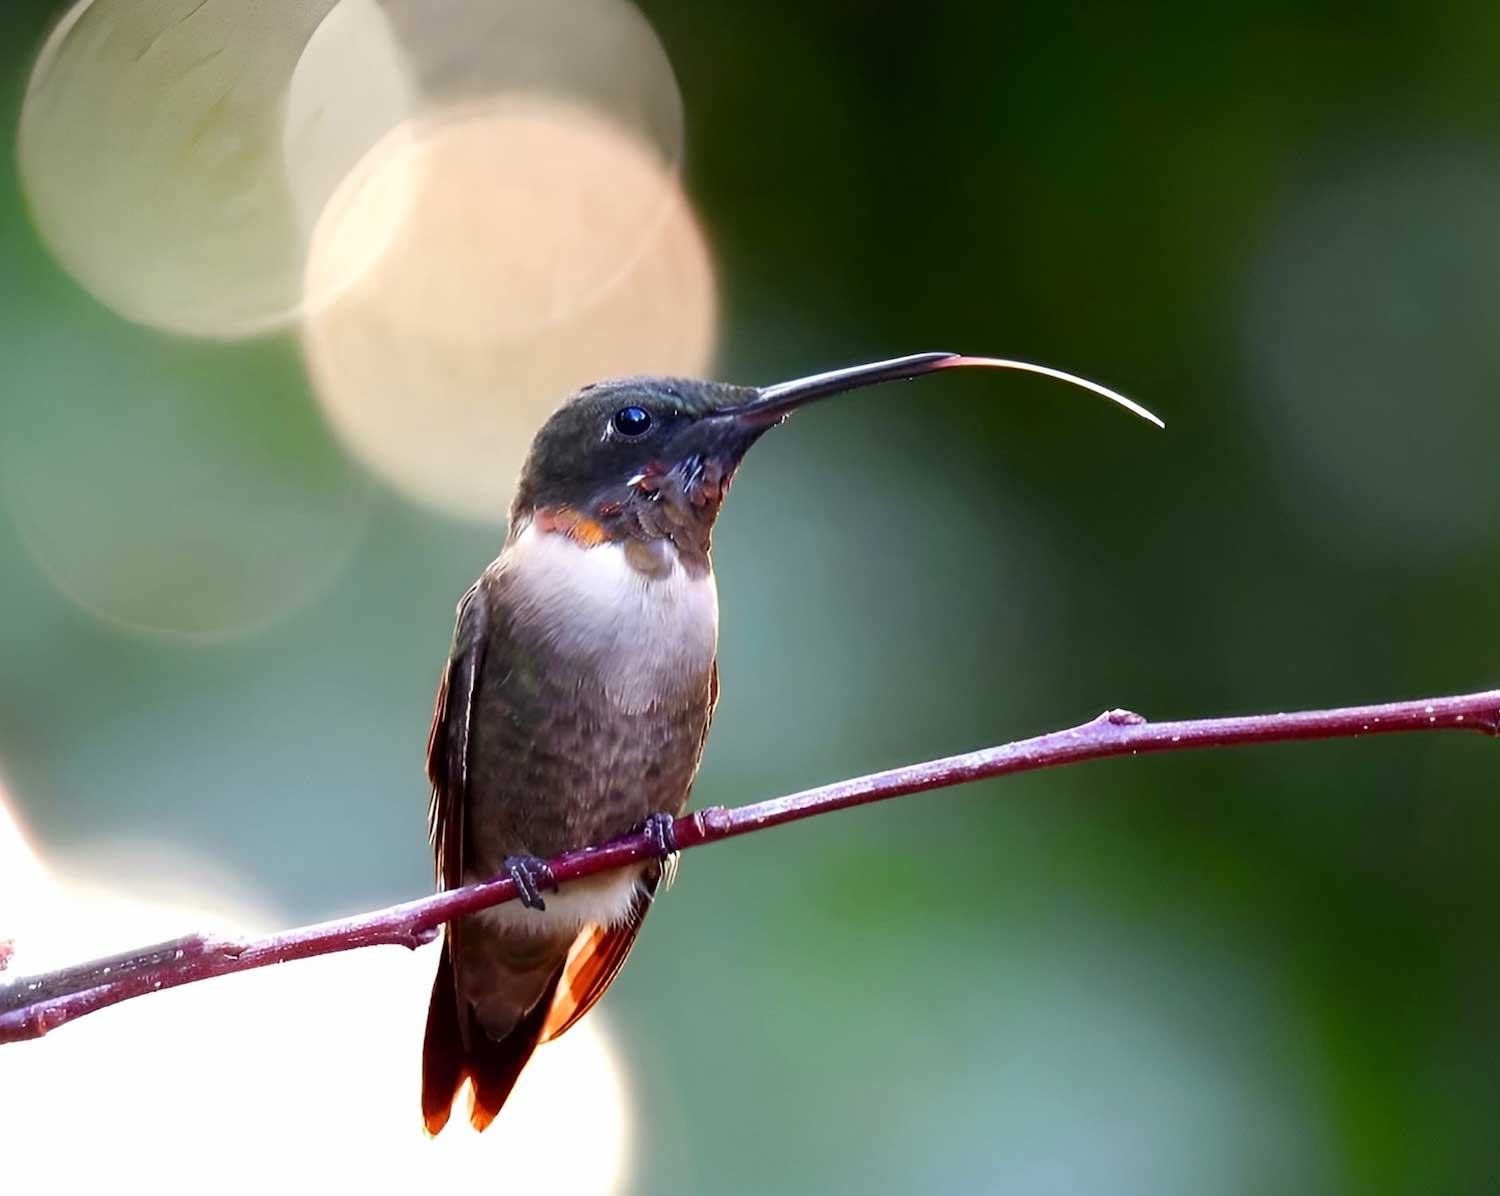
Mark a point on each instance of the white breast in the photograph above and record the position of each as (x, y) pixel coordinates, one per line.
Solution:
(642, 636)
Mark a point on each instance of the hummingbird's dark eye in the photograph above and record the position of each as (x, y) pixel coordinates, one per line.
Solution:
(632, 421)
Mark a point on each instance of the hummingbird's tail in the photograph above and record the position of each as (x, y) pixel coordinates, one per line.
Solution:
(519, 989)
(453, 1052)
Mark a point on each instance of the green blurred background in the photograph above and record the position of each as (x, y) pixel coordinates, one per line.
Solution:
(1261, 970)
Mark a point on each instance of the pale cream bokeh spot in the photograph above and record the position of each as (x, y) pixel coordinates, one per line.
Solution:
(172, 168)
(352, 85)
(543, 247)
(301, 1077)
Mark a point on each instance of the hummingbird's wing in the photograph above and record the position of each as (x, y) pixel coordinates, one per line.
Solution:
(446, 1051)
(448, 740)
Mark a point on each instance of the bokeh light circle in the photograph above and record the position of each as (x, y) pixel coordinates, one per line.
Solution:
(164, 167)
(201, 501)
(492, 301)
(598, 56)
(1368, 334)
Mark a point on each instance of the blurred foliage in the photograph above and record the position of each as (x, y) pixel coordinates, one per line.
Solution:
(1251, 971)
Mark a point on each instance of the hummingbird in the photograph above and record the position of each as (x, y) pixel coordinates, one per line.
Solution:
(577, 698)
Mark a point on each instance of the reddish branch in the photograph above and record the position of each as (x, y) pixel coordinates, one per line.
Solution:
(30, 1006)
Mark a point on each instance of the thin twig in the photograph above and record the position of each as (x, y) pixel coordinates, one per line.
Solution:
(30, 1006)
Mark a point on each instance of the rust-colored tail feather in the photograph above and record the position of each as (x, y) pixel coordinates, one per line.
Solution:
(457, 1047)
(496, 1066)
(450, 1055)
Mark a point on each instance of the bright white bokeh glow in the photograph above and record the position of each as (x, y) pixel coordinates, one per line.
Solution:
(296, 1077)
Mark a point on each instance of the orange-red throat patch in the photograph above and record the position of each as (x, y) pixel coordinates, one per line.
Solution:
(578, 527)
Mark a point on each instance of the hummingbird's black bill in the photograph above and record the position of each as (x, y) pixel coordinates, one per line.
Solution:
(772, 403)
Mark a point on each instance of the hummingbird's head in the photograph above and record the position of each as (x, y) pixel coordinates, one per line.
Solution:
(636, 457)
(652, 458)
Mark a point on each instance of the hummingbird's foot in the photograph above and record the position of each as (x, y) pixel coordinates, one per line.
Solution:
(530, 875)
(659, 828)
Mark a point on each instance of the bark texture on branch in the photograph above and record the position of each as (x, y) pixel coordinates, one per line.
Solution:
(31, 1006)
